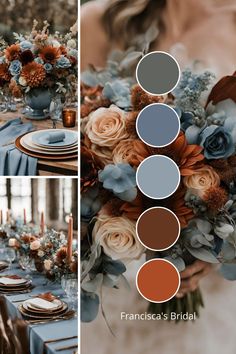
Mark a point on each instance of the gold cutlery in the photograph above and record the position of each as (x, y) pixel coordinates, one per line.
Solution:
(59, 340)
(68, 316)
(60, 349)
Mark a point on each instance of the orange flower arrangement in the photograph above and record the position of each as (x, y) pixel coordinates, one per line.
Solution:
(34, 74)
(15, 90)
(12, 52)
(50, 54)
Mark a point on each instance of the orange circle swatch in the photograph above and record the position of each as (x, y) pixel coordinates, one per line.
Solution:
(158, 280)
(158, 228)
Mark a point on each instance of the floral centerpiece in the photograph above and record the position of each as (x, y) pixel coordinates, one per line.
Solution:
(40, 62)
(111, 151)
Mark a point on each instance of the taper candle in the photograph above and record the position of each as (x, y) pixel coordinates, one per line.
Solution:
(42, 223)
(24, 216)
(1, 221)
(70, 239)
(8, 216)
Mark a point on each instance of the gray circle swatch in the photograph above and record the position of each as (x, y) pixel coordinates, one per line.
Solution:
(158, 177)
(158, 73)
(158, 125)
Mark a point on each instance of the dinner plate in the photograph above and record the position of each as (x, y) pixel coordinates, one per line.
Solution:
(40, 138)
(33, 311)
(40, 316)
(57, 304)
(40, 151)
(23, 282)
(69, 156)
(27, 139)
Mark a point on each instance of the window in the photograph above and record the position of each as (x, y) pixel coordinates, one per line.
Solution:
(20, 197)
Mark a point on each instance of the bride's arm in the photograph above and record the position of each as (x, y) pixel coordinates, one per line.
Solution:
(95, 45)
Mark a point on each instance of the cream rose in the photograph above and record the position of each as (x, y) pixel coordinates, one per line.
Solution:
(12, 242)
(41, 253)
(47, 264)
(106, 126)
(117, 236)
(132, 151)
(201, 180)
(34, 246)
(22, 81)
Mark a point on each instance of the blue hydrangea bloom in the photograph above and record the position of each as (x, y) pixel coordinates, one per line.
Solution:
(15, 67)
(63, 62)
(48, 67)
(73, 53)
(25, 45)
(120, 179)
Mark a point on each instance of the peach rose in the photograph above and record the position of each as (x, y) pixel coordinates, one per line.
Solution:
(117, 236)
(35, 245)
(132, 151)
(47, 264)
(201, 180)
(106, 126)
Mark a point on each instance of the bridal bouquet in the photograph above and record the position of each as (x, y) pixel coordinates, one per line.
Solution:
(39, 60)
(111, 151)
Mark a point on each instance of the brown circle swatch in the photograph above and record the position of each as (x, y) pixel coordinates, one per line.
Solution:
(158, 228)
(158, 280)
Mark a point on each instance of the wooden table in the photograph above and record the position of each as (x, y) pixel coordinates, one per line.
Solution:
(47, 167)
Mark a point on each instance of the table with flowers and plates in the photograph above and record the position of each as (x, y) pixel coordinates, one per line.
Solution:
(47, 166)
(46, 335)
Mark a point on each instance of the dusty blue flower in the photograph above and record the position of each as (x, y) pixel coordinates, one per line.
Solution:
(25, 45)
(120, 179)
(90, 204)
(217, 142)
(63, 62)
(118, 92)
(15, 67)
(48, 67)
(39, 60)
(73, 53)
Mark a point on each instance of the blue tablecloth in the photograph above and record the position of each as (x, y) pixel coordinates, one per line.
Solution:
(38, 334)
(12, 161)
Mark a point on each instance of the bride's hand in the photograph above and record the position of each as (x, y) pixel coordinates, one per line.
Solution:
(191, 276)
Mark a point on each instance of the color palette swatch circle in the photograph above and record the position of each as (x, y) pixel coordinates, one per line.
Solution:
(158, 177)
(158, 228)
(158, 125)
(158, 280)
(158, 73)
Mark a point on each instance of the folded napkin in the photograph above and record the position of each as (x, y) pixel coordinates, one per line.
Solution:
(55, 137)
(42, 304)
(3, 265)
(12, 161)
(11, 281)
(47, 296)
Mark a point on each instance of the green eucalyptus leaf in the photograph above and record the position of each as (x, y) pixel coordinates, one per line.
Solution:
(203, 254)
(89, 306)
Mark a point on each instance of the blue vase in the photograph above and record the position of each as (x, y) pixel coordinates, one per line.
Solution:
(38, 99)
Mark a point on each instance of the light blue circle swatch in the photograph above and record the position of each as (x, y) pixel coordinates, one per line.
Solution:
(158, 177)
(158, 125)
(158, 73)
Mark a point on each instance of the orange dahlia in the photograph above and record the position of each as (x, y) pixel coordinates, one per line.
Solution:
(187, 156)
(50, 54)
(12, 52)
(4, 73)
(34, 74)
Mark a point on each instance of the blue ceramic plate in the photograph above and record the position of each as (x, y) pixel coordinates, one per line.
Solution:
(41, 138)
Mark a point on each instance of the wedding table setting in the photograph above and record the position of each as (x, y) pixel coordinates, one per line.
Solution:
(38, 103)
(39, 282)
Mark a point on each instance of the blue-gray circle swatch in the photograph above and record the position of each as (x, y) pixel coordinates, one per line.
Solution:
(158, 73)
(158, 125)
(158, 177)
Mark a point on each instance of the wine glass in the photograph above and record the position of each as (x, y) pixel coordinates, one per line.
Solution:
(55, 110)
(10, 256)
(25, 262)
(72, 292)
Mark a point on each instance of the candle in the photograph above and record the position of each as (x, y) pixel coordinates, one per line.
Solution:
(24, 217)
(1, 221)
(68, 118)
(8, 216)
(70, 239)
(42, 224)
